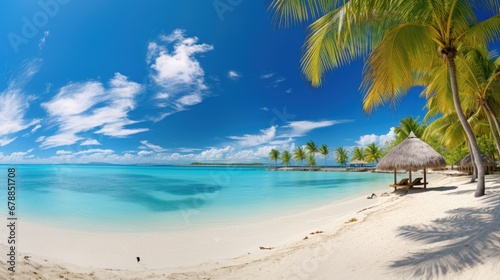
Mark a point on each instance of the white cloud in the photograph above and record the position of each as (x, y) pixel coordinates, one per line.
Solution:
(264, 109)
(40, 139)
(37, 127)
(288, 90)
(94, 151)
(82, 107)
(177, 72)
(14, 104)
(42, 41)
(249, 140)
(267, 76)
(153, 147)
(233, 75)
(214, 153)
(6, 141)
(301, 128)
(88, 142)
(63, 152)
(379, 140)
(145, 153)
(277, 82)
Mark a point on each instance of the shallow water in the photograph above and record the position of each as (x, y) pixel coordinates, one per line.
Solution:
(137, 198)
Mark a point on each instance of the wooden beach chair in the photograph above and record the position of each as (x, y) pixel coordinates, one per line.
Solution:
(402, 184)
(418, 182)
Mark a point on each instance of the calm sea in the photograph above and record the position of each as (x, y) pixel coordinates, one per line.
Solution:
(135, 198)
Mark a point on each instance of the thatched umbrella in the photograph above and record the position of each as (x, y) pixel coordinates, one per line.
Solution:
(358, 162)
(466, 163)
(410, 154)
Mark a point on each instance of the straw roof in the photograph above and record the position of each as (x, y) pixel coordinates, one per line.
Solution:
(358, 162)
(466, 161)
(412, 153)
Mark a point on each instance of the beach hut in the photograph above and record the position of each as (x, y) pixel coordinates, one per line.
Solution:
(411, 154)
(465, 164)
(357, 163)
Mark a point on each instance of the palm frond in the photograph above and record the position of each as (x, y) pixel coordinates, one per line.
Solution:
(289, 12)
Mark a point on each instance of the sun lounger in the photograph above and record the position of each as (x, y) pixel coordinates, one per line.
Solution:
(402, 184)
(418, 182)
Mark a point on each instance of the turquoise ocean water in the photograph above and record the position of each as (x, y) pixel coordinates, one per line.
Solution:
(136, 198)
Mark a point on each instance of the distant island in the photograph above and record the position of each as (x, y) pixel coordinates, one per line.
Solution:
(225, 164)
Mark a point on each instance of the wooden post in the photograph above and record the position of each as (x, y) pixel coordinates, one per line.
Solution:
(395, 182)
(409, 183)
(425, 179)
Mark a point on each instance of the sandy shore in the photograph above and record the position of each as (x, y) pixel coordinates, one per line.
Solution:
(439, 233)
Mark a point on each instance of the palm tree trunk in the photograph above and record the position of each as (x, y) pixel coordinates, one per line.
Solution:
(480, 189)
(490, 116)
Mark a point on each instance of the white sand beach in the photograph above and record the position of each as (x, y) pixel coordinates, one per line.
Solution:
(439, 233)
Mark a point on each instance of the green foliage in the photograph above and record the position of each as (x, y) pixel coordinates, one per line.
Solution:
(286, 157)
(274, 155)
(311, 160)
(299, 155)
(341, 156)
(358, 153)
(406, 126)
(324, 151)
(373, 153)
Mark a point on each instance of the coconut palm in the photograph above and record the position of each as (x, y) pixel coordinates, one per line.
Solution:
(358, 153)
(299, 155)
(311, 160)
(373, 153)
(285, 158)
(274, 155)
(479, 79)
(311, 147)
(406, 126)
(341, 156)
(401, 38)
(324, 151)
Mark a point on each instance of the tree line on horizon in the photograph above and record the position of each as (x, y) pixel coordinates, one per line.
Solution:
(438, 45)
(370, 153)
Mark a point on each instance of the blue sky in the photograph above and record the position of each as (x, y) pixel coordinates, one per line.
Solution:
(169, 82)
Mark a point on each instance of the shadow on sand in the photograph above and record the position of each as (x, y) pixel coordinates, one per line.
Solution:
(471, 236)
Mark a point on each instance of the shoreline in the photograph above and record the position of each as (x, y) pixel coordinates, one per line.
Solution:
(337, 237)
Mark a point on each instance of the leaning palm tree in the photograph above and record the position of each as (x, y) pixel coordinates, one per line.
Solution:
(274, 155)
(299, 155)
(311, 147)
(324, 151)
(341, 156)
(285, 158)
(358, 153)
(373, 153)
(479, 79)
(401, 38)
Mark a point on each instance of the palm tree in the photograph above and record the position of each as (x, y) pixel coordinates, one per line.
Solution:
(311, 147)
(406, 126)
(324, 151)
(285, 158)
(311, 160)
(478, 78)
(274, 155)
(401, 38)
(373, 153)
(299, 155)
(358, 153)
(341, 156)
